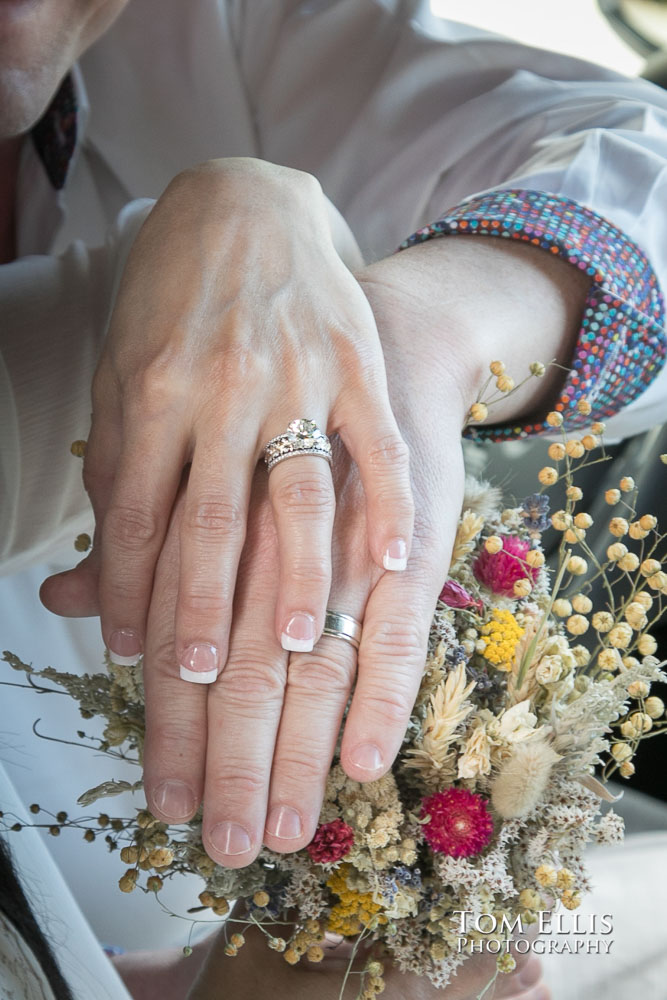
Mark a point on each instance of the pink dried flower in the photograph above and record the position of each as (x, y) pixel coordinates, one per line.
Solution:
(499, 571)
(460, 823)
(332, 841)
(456, 596)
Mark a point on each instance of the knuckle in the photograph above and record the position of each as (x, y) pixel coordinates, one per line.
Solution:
(396, 639)
(389, 450)
(311, 575)
(203, 601)
(127, 525)
(239, 780)
(305, 495)
(251, 683)
(321, 673)
(391, 705)
(215, 516)
(301, 766)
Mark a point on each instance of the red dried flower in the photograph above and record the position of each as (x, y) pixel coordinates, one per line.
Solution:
(456, 596)
(460, 823)
(499, 571)
(332, 841)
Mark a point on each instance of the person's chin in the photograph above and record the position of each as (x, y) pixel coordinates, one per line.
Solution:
(24, 95)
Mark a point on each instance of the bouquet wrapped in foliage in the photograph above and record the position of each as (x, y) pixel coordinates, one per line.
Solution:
(529, 691)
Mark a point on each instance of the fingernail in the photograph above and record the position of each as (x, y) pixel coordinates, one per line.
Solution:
(200, 663)
(367, 757)
(396, 555)
(125, 647)
(230, 838)
(175, 799)
(299, 633)
(284, 822)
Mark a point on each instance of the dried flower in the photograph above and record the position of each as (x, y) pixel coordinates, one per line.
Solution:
(521, 782)
(456, 596)
(548, 475)
(627, 484)
(479, 412)
(612, 497)
(459, 823)
(501, 570)
(332, 841)
(535, 511)
(582, 604)
(555, 419)
(654, 707)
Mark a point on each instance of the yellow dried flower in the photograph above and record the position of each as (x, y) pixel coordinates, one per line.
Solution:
(261, 898)
(277, 944)
(590, 441)
(663, 459)
(573, 493)
(546, 876)
(655, 707)
(506, 962)
(237, 940)
(621, 752)
(575, 448)
(497, 368)
(531, 899)
(577, 566)
(647, 645)
(154, 883)
(127, 882)
(479, 412)
(231, 951)
(565, 879)
(618, 526)
(574, 535)
(581, 655)
(562, 607)
(636, 616)
(582, 604)
(638, 689)
(657, 581)
(609, 659)
(598, 427)
(161, 857)
(627, 484)
(291, 956)
(78, 448)
(584, 407)
(630, 662)
(129, 855)
(535, 558)
(571, 900)
(561, 520)
(636, 531)
(627, 769)
(621, 635)
(648, 522)
(555, 419)
(537, 369)
(500, 637)
(640, 722)
(612, 497)
(505, 383)
(82, 542)
(577, 625)
(315, 954)
(556, 451)
(643, 598)
(583, 520)
(493, 544)
(629, 563)
(522, 588)
(617, 551)
(602, 621)
(547, 476)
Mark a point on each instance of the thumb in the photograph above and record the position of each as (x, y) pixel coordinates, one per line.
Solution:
(74, 593)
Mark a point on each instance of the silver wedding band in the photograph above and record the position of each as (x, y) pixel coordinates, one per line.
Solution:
(302, 437)
(341, 626)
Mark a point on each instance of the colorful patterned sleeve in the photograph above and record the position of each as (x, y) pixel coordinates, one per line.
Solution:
(622, 344)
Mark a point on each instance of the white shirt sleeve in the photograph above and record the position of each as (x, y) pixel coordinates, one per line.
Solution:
(403, 115)
(54, 316)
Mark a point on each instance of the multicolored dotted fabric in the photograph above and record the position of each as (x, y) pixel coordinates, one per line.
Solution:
(54, 135)
(622, 343)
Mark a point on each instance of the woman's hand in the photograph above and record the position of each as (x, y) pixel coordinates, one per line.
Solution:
(235, 316)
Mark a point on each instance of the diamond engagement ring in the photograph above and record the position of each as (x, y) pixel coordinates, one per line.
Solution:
(342, 626)
(302, 437)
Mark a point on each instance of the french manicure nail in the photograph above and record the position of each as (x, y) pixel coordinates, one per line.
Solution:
(298, 635)
(396, 555)
(367, 757)
(200, 663)
(284, 822)
(174, 799)
(230, 838)
(125, 647)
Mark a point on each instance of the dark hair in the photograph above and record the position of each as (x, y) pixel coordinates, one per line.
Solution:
(15, 906)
